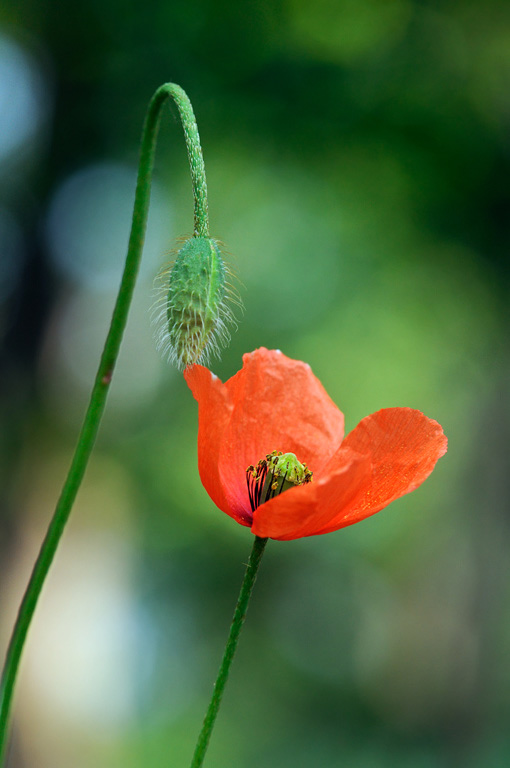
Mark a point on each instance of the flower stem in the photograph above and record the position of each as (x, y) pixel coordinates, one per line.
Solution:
(104, 374)
(195, 157)
(230, 649)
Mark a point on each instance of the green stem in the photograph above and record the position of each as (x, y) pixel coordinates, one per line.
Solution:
(101, 386)
(230, 649)
(196, 160)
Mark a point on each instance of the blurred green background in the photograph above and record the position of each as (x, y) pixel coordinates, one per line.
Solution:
(358, 160)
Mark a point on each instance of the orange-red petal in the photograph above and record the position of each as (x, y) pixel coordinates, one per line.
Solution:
(272, 403)
(304, 510)
(280, 405)
(403, 445)
(214, 412)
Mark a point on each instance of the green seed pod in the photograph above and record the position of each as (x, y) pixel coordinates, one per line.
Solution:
(275, 474)
(192, 312)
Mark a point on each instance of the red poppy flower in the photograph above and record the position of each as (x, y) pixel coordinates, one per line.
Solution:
(276, 404)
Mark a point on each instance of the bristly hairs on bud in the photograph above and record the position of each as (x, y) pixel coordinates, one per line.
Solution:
(192, 311)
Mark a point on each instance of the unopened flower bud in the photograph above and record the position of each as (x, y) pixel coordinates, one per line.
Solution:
(193, 312)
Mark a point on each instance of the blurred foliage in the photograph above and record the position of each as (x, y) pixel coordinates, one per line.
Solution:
(358, 163)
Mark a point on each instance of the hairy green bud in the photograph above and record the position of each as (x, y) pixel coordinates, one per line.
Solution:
(192, 312)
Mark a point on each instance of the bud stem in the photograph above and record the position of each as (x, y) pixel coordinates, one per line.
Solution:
(103, 378)
(195, 157)
(230, 649)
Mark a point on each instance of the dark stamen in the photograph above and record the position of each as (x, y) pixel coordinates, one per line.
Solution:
(248, 476)
(261, 480)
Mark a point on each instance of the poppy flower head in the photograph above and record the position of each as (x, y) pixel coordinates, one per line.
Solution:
(264, 432)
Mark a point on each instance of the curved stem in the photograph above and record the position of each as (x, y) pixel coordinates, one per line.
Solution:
(230, 649)
(196, 160)
(104, 374)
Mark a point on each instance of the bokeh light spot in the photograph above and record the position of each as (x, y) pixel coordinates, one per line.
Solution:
(89, 221)
(22, 96)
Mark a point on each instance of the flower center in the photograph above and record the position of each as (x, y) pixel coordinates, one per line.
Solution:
(273, 475)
